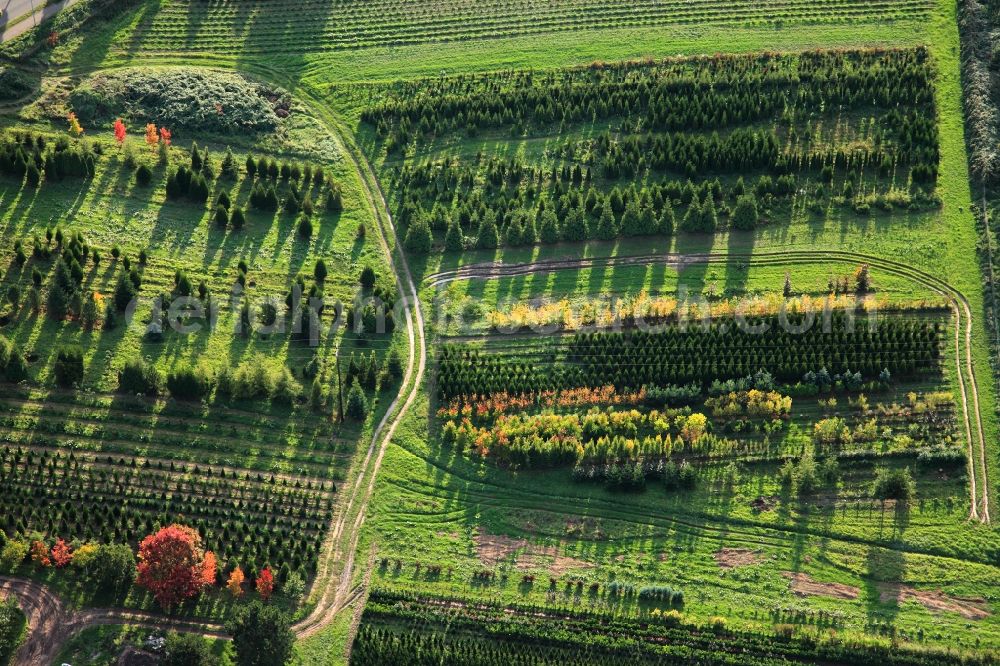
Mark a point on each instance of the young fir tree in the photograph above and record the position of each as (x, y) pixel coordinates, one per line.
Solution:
(666, 223)
(357, 404)
(692, 218)
(575, 227)
(647, 221)
(228, 168)
(607, 228)
(709, 217)
(453, 240)
(631, 220)
(549, 231)
(745, 214)
(488, 237)
(418, 237)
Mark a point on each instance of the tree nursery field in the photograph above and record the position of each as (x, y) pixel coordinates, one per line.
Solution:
(451, 332)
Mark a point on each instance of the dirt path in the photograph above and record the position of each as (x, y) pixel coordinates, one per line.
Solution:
(965, 373)
(345, 534)
(51, 622)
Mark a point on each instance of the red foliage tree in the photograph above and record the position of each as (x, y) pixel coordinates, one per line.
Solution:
(265, 583)
(172, 565)
(165, 135)
(61, 554)
(119, 131)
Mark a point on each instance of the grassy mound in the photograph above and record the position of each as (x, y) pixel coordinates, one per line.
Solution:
(206, 101)
(14, 84)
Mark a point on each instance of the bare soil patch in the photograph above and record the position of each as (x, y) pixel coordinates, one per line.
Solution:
(585, 528)
(732, 558)
(493, 549)
(936, 601)
(132, 656)
(762, 503)
(803, 585)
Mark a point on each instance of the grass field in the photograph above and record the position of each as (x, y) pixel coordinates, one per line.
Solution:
(453, 524)
(358, 26)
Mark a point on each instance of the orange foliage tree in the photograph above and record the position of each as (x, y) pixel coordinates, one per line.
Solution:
(61, 554)
(265, 583)
(152, 136)
(235, 583)
(173, 565)
(40, 554)
(208, 566)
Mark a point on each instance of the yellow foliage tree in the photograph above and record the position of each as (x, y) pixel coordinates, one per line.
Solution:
(75, 128)
(235, 583)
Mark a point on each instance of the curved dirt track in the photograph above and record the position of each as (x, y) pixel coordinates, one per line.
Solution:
(343, 539)
(965, 373)
(51, 622)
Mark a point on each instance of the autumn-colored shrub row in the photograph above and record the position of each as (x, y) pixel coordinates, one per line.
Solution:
(500, 403)
(171, 563)
(598, 436)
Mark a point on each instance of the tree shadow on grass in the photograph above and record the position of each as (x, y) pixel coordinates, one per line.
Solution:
(738, 267)
(885, 569)
(328, 225)
(296, 36)
(692, 272)
(97, 43)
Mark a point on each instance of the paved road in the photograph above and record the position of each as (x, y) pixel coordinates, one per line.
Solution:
(20, 16)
